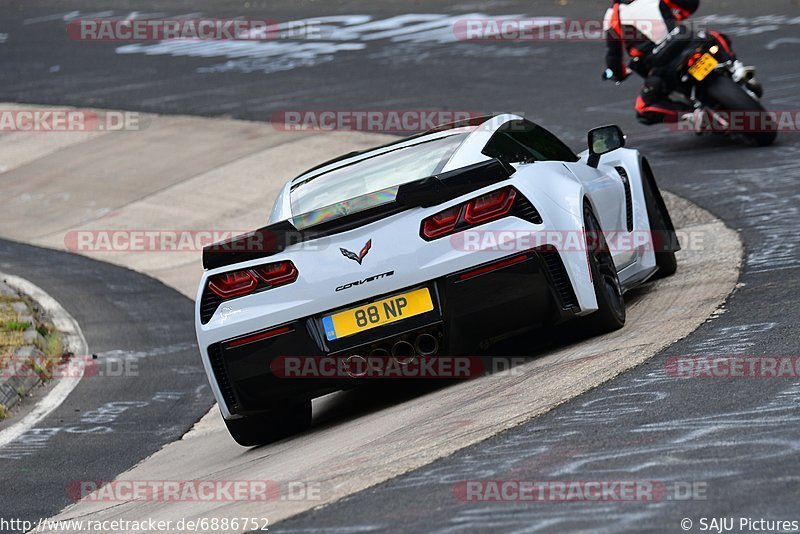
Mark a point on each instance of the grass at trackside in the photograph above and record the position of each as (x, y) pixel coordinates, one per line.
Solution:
(12, 339)
(15, 326)
(10, 329)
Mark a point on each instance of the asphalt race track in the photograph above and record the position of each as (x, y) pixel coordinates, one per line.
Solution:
(111, 422)
(739, 439)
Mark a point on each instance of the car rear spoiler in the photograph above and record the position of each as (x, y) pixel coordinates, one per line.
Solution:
(260, 243)
(449, 185)
(427, 192)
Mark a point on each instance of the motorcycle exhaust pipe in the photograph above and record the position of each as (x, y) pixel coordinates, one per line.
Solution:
(403, 352)
(426, 345)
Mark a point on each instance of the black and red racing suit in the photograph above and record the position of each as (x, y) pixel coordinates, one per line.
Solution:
(636, 27)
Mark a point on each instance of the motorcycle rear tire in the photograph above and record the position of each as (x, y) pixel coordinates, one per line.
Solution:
(722, 93)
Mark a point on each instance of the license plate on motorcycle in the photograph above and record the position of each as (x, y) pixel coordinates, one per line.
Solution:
(390, 310)
(703, 67)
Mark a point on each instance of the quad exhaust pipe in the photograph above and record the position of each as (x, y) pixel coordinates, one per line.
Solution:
(403, 352)
(360, 366)
(426, 345)
(379, 352)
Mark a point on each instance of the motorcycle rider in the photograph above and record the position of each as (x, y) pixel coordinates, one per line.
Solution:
(637, 27)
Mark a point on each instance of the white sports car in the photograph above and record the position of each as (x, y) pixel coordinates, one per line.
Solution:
(430, 246)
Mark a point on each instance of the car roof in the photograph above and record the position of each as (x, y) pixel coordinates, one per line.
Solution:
(468, 125)
(480, 130)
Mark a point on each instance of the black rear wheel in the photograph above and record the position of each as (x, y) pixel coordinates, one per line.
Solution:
(610, 314)
(251, 430)
(723, 94)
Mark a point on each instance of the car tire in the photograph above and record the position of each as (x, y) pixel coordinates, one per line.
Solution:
(252, 430)
(664, 238)
(610, 314)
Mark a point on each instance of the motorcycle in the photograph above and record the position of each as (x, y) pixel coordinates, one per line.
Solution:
(723, 92)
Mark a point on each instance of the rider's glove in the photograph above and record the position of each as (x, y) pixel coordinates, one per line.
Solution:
(617, 75)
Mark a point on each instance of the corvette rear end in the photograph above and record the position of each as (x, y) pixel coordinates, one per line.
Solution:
(354, 266)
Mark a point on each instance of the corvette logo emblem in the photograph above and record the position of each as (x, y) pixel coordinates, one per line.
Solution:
(357, 257)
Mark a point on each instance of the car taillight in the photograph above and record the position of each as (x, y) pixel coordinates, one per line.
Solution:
(490, 206)
(442, 223)
(276, 274)
(233, 284)
(246, 281)
(485, 208)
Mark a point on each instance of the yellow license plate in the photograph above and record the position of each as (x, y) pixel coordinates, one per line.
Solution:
(703, 67)
(376, 314)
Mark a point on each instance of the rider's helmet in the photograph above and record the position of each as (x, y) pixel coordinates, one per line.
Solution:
(682, 9)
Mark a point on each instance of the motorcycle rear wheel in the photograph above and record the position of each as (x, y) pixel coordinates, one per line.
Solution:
(722, 93)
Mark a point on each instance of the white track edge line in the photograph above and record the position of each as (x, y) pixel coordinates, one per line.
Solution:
(74, 341)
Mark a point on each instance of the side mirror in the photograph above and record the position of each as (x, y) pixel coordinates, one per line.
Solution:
(603, 140)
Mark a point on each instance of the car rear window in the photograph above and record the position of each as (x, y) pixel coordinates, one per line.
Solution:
(523, 141)
(376, 173)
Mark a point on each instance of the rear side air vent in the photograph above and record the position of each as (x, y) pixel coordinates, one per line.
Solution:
(208, 305)
(221, 372)
(526, 211)
(628, 197)
(559, 278)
